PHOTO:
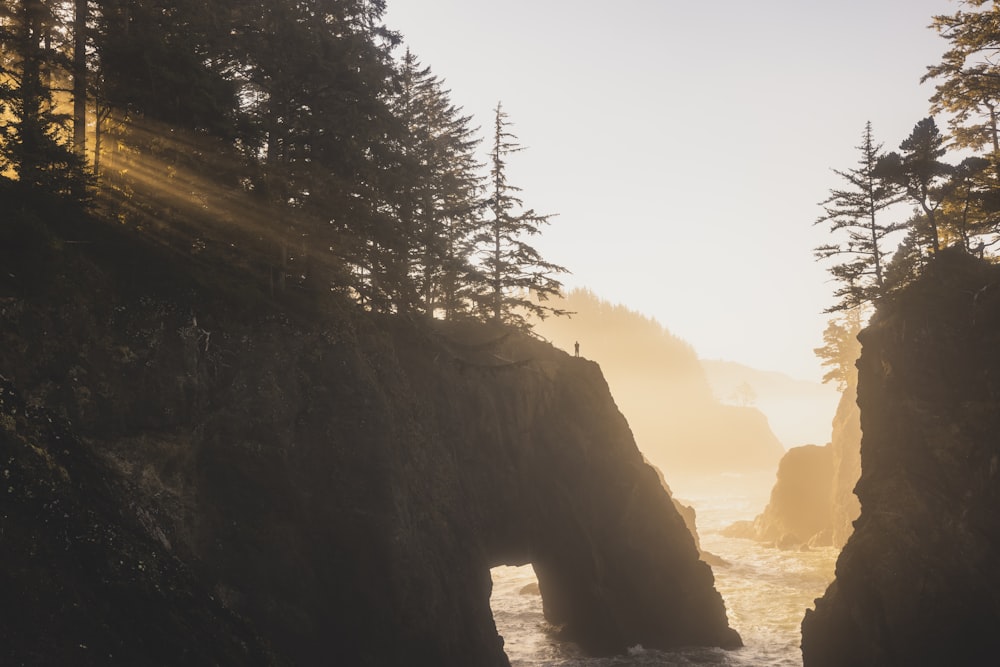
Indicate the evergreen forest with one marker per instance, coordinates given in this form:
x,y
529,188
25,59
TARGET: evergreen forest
x,y
299,144
307,148
894,211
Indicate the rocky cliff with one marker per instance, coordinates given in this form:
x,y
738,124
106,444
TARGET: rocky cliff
x,y
194,475
917,582
662,388
812,503
845,445
798,513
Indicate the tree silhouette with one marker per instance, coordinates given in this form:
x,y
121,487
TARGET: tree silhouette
x,y
968,79
32,133
841,348
81,18
919,170
743,395
513,269
438,188
283,137
967,211
854,212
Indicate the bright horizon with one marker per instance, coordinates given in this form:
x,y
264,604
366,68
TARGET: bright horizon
x,y
685,148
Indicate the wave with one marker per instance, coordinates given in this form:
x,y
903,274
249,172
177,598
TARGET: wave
x,y
766,591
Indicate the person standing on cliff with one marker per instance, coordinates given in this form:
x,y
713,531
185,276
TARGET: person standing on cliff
x,y
576,348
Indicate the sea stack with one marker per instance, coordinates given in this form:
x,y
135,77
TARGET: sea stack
x,y
918,583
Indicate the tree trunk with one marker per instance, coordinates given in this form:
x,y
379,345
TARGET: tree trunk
x,y
80,78
30,91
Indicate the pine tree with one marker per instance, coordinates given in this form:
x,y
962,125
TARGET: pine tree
x,y
81,18
968,79
924,177
967,213
841,348
160,61
165,107
967,89
854,213
33,135
438,188
513,269
314,82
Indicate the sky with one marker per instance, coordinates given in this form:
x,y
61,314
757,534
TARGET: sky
x,y
685,146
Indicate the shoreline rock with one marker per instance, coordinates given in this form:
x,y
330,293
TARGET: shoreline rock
x,y
917,582
334,482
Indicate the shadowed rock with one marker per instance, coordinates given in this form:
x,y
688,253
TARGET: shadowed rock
x,y
917,583
324,485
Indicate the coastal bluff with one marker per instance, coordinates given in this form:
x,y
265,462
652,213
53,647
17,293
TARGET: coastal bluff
x,y
191,478
917,582
812,503
798,510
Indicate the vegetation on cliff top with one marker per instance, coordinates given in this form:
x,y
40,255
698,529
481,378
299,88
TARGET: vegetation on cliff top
x,y
895,211
950,201
292,140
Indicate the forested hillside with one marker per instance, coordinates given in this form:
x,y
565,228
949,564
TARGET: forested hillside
x,y
298,141
662,389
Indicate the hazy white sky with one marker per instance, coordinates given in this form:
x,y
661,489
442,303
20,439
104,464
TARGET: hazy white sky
x,y
685,145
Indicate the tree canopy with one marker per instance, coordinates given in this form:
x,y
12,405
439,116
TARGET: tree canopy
x,y
515,271
301,142
855,212
951,180
841,348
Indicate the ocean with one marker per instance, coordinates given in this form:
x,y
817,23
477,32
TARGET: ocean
x,y
766,591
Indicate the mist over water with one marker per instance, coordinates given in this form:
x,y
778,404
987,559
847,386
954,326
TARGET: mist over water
x,y
766,591
711,427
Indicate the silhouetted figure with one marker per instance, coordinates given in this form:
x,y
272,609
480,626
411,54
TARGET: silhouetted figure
x,y
576,348
978,250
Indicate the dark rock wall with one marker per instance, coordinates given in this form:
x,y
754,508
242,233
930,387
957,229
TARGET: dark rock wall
x,y
328,489
918,583
88,579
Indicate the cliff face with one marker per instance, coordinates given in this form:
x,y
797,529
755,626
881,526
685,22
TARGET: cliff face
x,y
845,445
917,583
799,508
812,502
283,489
661,387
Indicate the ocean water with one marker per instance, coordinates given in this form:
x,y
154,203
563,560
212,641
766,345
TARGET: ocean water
x,y
766,591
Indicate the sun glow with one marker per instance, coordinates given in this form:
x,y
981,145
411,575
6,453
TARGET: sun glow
x,y
188,192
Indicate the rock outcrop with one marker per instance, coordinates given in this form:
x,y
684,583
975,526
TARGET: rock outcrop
x,y
690,517
845,446
917,583
798,513
812,502
311,485
661,387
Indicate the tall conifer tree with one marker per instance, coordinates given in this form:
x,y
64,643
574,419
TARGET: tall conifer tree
x,y
514,270
438,187
33,135
854,213
81,18
924,177
968,78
